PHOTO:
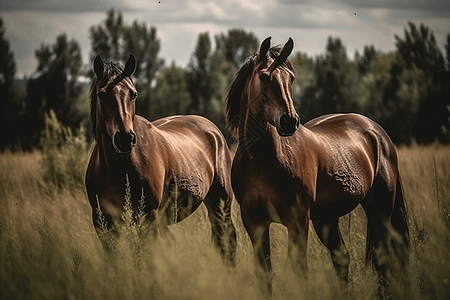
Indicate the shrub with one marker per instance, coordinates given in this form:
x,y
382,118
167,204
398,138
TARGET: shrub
x,y
64,154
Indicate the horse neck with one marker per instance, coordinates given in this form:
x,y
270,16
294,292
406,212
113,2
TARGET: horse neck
x,y
271,145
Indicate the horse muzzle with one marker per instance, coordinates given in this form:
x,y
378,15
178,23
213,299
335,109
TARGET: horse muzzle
x,y
287,125
124,142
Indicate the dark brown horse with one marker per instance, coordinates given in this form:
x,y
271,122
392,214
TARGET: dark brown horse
x,y
176,162
287,173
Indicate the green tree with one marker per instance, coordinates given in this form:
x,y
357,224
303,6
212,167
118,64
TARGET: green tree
x,y
236,46
10,97
446,89
171,95
208,77
375,72
418,55
106,38
142,41
364,62
54,85
115,40
337,87
199,75
305,80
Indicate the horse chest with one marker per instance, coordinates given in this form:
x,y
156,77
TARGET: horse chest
x,y
263,188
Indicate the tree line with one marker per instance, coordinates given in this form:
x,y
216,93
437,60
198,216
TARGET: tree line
x,y
407,90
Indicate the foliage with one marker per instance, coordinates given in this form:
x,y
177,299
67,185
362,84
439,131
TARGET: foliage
x,y
418,54
375,73
336,87
171,95
106,37
199,76
54,86
10,96
63,154
236,46
406,90
210,72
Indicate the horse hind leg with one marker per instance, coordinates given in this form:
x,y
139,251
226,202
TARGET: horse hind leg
x,y
223,233
378,206
330,235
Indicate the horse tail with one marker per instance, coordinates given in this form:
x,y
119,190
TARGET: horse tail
x,y
399,221
400,237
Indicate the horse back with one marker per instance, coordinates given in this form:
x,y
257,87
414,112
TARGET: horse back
x,y
352,130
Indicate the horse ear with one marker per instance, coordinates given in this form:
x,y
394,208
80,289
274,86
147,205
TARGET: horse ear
x,y
287,50
98,66
130,66
265,45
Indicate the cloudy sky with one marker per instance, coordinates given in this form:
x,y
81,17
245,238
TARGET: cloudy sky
x,y
29,23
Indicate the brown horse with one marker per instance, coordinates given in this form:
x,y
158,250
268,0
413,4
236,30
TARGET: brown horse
x,y
176,162
287,173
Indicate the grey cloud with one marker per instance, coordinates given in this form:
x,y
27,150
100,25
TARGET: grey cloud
x,y
63,6
427,5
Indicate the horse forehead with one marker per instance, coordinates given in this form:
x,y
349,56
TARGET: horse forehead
x,y
281,69
114,86
263,64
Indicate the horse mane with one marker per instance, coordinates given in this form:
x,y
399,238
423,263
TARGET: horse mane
x,y
111,68
234,95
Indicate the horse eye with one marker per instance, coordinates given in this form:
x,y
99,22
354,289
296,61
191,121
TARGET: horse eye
x,y
264,77
134,95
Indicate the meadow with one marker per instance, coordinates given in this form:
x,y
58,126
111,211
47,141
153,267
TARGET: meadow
x,y
49,250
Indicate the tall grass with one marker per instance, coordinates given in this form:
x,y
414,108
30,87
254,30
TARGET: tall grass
x,y
49,249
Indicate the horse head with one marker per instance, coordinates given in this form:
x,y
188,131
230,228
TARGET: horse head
x,y
263,88
269,89
113,97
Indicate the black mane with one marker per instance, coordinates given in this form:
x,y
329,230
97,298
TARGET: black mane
x,y
233,97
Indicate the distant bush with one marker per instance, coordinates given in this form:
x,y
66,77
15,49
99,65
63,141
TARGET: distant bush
x,y
64,154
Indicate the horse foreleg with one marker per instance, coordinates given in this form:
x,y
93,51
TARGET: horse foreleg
x,y
259,236
297,224
105,229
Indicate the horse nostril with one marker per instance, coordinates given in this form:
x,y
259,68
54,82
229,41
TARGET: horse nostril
x,y
284,122
288,125
117,140
123,142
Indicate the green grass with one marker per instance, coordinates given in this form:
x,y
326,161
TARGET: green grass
x,y
49,249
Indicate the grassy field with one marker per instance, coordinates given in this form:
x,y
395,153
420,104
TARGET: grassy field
x,y
49,250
